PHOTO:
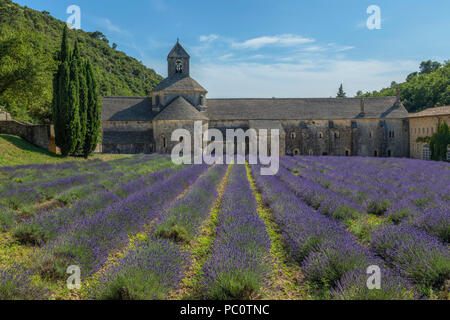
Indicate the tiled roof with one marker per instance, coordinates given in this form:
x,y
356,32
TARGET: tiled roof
x,y
304,109
180,109
437,111
139,109
180,82
127,109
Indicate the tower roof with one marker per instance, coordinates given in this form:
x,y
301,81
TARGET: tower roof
x,y
180,109
178,51
179,83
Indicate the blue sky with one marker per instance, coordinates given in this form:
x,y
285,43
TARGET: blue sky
x,y
283,48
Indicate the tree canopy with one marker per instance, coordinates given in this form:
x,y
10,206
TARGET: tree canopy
x,y
29,55
341,93
429,87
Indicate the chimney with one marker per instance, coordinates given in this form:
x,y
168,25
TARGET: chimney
x,y
398,96
362,107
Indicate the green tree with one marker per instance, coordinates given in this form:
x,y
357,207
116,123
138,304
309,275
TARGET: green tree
x,y
93,113
61,93
23,67
341,93
429,88
39,42
80,64
429,66
439,142
66,100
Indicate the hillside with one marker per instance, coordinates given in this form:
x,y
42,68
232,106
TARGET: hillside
x,y
16,151
430,87
37,35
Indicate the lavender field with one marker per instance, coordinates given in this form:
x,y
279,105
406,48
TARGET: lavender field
x,y
143,228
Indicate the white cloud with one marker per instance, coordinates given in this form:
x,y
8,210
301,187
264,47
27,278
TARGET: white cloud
x,y
285,40
114,28
208,38
304,79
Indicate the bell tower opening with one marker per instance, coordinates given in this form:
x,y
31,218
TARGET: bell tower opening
x,y
178,61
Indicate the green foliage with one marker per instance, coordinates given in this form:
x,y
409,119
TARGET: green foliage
x,y
24,69
236,285
425,89
341,93
93,113
29,46
378,207
363,226
439,142
76,111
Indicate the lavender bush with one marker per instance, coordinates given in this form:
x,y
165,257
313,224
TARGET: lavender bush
x,y
236,268
147,272
89,240
353,286
16,284
415,254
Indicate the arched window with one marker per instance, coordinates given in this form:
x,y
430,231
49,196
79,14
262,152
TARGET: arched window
x,y
336,135
179,66
320,135
163,141
293,135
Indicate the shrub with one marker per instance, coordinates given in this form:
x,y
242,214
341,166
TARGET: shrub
x,y
353,286
415,254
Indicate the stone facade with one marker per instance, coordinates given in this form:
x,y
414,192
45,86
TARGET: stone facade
x,y
424,124
377,127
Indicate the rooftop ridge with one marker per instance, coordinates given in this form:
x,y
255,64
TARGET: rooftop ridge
x,y
316,98
124,97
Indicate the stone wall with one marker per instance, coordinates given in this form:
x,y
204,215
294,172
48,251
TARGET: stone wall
x,y
163,133
127,137
362,137
40,135
420,128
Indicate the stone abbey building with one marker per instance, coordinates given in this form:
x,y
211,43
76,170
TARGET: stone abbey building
x,y
324,126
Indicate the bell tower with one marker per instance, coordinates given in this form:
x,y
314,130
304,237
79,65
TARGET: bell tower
x,y
178,61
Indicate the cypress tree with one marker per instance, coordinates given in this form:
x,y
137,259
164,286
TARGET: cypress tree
x,y
72,112
93,113
60,91
83,98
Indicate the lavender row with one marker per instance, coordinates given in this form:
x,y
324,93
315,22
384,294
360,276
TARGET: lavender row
x,y
16,284
48,224
21,197
431,216
425,264
157,264
405,176
36,174
322,199
330,257
89,240
236,268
